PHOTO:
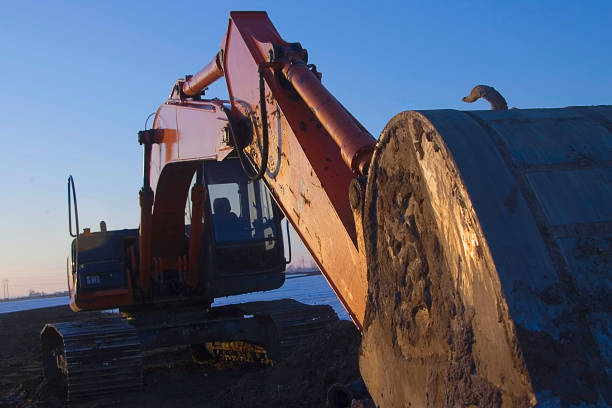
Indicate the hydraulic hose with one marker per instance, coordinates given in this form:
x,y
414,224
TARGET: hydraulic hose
x,y
244,160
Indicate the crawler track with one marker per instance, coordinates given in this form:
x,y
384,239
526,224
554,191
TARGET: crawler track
x,y
295,321
92,358
103,356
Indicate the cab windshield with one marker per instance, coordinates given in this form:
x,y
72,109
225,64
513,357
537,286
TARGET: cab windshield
x,y
241,210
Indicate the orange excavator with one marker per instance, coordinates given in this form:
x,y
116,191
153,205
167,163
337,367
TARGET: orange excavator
x,y
473,250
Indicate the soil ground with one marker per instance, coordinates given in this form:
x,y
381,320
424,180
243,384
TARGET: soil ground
x,y
301,380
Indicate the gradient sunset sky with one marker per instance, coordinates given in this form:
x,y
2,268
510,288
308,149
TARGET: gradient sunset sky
x,y
79,78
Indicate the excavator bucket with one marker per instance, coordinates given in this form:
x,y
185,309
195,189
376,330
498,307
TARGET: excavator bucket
x,y
489,245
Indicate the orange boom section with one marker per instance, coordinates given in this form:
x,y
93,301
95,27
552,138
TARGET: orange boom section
x,y
315,148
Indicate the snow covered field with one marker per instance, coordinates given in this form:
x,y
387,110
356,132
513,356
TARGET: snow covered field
x,y
309,289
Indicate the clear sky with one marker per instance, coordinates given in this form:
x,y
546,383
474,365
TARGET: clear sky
x,y
79,78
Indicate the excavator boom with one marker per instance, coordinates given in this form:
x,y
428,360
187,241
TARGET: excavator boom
x,y
314,147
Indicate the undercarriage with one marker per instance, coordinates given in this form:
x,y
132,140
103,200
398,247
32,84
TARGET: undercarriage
x,y
106,355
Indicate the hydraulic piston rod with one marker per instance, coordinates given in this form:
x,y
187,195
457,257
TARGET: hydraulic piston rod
x,y
355,143
206,76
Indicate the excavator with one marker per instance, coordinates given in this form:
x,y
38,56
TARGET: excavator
x,y
472,249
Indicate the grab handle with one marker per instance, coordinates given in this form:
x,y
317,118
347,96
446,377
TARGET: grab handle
x,y
288,261
76,211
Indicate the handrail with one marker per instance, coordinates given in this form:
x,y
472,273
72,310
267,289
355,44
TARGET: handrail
x,y
244,159
76,211
288,261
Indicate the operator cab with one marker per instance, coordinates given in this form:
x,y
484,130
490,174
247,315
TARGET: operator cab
x,y
242,225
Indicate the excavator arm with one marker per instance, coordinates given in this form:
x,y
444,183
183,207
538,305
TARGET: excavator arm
x,y
311,148
471,248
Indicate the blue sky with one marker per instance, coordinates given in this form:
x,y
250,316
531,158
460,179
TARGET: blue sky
x,y
79,78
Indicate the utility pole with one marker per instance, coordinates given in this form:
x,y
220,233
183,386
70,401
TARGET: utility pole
x,y
5,288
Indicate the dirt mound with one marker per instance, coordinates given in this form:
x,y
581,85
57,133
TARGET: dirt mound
x,y
303,378
20,354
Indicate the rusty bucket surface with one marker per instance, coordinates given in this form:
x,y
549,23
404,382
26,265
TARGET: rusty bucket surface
x,y
489,246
